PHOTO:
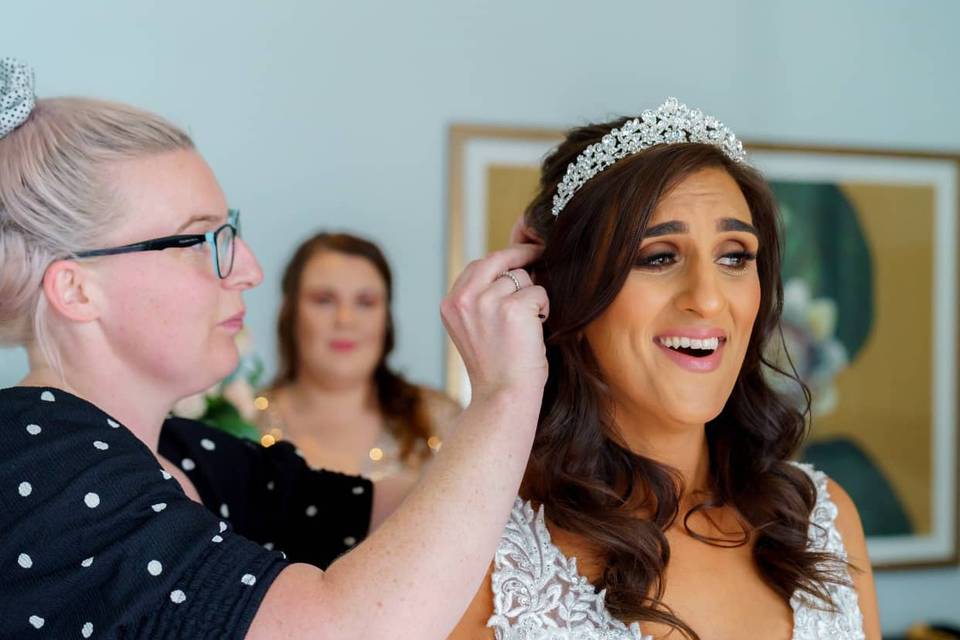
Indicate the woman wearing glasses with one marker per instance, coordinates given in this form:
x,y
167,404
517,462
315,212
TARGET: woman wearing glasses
x,y
110,223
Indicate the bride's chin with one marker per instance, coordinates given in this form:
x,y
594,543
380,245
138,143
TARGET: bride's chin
x,y
694,414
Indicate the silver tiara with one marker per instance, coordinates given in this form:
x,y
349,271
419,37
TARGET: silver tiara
x,y
671,123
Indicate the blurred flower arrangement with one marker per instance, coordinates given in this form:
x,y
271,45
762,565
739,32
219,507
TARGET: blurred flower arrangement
x,y
809,326
230,404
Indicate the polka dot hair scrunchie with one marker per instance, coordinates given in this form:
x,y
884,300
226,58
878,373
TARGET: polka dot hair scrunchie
x,y
16,94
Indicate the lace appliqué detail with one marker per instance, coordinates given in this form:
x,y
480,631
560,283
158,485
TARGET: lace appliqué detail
x,y
811,619
538,593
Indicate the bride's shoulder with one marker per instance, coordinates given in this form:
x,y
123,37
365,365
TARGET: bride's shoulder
x,y
834,501
834,498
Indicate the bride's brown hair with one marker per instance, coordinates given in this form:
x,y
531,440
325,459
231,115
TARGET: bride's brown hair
x,y
589,482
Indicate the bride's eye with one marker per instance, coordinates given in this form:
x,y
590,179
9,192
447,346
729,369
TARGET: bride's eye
x,y
657,260
737,260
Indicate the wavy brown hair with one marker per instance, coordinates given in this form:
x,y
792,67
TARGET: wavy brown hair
x,y
401,402
589,482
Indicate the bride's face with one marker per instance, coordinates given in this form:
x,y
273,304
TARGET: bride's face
x,y
672,342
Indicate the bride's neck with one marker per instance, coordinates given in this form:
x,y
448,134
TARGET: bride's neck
x,y
682,447
312,394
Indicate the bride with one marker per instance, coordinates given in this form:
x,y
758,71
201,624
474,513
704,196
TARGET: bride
x,y
659,499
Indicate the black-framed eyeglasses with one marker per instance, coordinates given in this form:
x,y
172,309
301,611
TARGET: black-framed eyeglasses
x,y
222,243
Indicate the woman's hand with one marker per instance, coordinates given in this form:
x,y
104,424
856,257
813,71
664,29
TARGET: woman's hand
x,y
495,321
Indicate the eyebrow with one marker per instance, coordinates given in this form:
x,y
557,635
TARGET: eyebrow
x,y
675,227
203,217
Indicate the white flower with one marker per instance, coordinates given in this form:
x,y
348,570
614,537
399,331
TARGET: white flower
x,y
244,342
809,325
240,394
822,318
192,407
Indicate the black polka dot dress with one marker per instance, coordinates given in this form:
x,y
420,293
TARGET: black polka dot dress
x,y
98,541
269,494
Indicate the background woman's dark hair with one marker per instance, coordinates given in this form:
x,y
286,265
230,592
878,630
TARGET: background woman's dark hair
x,y
401,402
590,483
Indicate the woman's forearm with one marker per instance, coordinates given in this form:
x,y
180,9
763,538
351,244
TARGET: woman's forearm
x,y
415,575
435,548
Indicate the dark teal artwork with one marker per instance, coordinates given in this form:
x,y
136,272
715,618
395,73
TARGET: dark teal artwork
x,y
826,247
828,278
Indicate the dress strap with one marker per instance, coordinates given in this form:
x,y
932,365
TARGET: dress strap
x,y
814,619
538,592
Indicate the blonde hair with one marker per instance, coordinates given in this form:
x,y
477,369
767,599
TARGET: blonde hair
x,y
54,200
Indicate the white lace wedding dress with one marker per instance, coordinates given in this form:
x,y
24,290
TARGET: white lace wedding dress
x,y
539,594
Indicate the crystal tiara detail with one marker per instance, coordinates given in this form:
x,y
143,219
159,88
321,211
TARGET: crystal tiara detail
x,y
671,123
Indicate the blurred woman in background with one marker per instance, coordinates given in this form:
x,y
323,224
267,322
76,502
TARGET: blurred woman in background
x,y
334,394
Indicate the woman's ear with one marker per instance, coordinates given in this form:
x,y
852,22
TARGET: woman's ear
x,y
523,233
69,290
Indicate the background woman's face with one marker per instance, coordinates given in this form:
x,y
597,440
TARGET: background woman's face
x,y
672,342
342,317
166,314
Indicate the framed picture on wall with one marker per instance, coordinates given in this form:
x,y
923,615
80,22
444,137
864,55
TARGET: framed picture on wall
x,y
870,313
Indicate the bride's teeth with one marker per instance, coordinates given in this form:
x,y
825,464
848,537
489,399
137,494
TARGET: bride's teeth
x,y
705,344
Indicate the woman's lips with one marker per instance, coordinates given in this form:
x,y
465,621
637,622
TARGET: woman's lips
x,y
704,364
234,322
342,346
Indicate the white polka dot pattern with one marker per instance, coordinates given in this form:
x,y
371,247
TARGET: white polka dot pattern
x,y
177,596
47,396
187,464
223,526
225,511
92,500
87,630
25,489
34,429
25,561
36,621
217,538
311,511
113,424
101,445
16,101
87,562
154,568
248,579
160,506
208,444
358,490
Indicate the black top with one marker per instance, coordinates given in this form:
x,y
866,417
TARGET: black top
x,y
98,541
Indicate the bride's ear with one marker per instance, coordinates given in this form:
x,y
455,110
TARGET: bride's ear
x,y
523,233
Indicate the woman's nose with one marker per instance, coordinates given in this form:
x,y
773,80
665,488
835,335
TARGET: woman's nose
x,y
344,315
701,292
246,272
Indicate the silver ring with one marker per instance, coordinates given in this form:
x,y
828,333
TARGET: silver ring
x,y
516,282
